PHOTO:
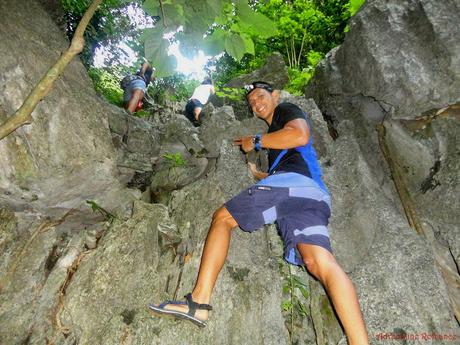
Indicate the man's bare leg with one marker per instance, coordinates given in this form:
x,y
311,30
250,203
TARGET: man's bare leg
x,y
136,96
321,264
212,260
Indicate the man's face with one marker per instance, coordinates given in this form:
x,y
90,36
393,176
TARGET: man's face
x,y
262,103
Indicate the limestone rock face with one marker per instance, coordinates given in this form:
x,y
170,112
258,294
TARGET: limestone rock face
x,y
400,66
69,139
402,56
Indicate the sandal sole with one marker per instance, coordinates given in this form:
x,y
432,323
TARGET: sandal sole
x,y
176,314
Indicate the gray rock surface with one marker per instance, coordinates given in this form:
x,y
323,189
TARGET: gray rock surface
x,y
69,138
402,55
399,65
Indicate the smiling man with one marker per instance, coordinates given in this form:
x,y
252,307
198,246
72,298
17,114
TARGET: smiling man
x,y
292,195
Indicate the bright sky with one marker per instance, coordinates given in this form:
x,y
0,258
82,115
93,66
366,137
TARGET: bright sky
x,y
193,68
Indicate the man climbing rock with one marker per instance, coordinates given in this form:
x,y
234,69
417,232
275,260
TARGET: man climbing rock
x,y
135,86
198,100
293,196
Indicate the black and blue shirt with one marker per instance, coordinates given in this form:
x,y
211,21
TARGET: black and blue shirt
x,y
301,160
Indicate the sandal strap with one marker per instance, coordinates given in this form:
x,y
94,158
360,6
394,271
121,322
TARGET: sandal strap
x,y
162,305
193,306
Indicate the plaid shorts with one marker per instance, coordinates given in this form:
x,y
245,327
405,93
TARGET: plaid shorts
x,y
300,213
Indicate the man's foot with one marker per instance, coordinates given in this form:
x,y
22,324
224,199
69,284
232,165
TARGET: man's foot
x,y
188,310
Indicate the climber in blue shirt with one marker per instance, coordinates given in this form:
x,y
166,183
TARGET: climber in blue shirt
x,y
292,195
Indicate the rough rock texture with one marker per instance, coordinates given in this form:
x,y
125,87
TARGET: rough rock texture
x,y
402,55
400,65
68,140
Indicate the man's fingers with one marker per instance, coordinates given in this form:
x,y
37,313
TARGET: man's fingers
x,y
238,141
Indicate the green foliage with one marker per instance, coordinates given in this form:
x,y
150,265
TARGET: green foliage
x,y
174,160
95,207
295,294
174,88
354,6
107,83
110,25
298,79
141,113
305,25
305,31
213,25
231,93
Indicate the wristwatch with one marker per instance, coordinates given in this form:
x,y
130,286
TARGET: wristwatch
x,y
256,141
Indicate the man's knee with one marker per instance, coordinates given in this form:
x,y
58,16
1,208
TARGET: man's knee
x,y
317,260
222,217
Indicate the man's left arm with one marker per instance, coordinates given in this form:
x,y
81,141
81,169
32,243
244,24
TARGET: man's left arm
x,y
294,133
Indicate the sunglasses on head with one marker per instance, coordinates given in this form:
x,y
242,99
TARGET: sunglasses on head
x,y
257,85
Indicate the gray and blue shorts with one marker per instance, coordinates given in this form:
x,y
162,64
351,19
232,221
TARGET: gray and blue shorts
x,y
136,84
300,213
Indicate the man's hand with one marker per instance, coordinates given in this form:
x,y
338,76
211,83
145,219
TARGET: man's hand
x,y
259,175
245,143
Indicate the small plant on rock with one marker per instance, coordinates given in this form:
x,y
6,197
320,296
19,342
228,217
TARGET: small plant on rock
x,y
295,293
174,160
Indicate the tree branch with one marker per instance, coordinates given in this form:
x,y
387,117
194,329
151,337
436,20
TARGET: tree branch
x,y
22,116
288,55
301,46
163,14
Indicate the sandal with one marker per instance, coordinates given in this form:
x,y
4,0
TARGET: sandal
x,y
192,308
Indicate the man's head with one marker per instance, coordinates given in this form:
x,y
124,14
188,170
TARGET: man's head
x,y
262,99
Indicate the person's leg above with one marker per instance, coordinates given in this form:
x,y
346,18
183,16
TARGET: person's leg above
x,y
136,91
136,96
322,265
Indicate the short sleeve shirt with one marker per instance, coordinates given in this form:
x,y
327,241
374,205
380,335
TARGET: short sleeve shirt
x,y
292,161
202,93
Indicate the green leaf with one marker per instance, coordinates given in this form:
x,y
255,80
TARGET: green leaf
x,y
303,291
214,44
152,7
355,5
243,10
286,305
257,22
156,52
172,16
249,44
286,289
303,309
263,26
235,46
215,6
